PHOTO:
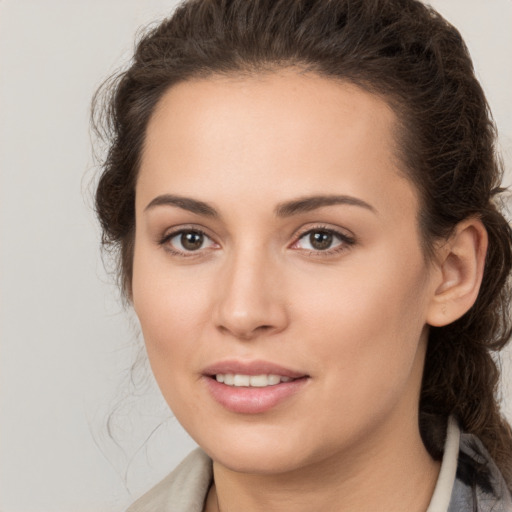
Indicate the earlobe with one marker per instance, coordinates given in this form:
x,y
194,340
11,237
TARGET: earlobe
x,y
461,262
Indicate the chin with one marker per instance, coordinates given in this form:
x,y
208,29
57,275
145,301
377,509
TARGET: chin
x,y
257,460
262,452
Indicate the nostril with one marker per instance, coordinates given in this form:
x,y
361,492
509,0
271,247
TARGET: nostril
x,y
264,328
246,334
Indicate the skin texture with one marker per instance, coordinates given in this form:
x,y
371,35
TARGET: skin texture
x,y
353,318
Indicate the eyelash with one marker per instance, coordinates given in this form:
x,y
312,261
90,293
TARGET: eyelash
x,y
165,241
346,241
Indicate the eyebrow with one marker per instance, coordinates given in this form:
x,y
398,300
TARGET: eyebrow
x,y
286,209
185,203
308,204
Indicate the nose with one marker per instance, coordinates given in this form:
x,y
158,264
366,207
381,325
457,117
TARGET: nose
x,y
250,300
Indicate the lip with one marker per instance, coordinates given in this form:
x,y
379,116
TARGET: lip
x,y
252,368
252,400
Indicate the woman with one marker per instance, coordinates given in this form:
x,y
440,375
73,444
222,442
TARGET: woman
x,y
303,198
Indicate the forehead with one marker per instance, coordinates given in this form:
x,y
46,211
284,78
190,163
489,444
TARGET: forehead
x,y
279,131
280,104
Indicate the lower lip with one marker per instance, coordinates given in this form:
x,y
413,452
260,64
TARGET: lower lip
x,y
253,400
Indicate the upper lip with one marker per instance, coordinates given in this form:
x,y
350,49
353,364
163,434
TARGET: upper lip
x,y
251,368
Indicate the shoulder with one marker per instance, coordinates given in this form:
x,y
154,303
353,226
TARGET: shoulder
x,y
469,480
184,489
478,483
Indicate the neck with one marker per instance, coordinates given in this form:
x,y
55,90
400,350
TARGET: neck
x,y
391,471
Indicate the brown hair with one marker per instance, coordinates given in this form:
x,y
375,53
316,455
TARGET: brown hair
x,y
408,54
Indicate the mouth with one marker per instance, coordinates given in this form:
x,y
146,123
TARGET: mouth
x,y
252,387
238,380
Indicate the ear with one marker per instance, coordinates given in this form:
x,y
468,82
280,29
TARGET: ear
x,y
460,264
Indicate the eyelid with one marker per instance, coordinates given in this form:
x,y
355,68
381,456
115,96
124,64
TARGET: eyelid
x,y
346,237
170,233
322,226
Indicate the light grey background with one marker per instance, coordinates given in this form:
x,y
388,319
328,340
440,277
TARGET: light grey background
x,y
66,344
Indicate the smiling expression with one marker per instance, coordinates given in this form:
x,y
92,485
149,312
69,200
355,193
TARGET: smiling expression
x,y
278,273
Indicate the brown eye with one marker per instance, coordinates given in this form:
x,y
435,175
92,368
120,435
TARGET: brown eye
x,y
192,240
187,241
323,240
320,240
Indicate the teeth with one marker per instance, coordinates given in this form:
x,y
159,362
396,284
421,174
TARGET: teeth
x,y
241,380
256,381
273,380
260,381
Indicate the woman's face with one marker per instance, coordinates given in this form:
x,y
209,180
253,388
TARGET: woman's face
x,y
277,241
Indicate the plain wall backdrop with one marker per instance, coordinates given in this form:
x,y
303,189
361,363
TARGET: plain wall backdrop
x,y
66,343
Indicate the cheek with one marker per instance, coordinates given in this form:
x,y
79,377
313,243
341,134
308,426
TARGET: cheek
x,y
378,295
171,311
171,325
368,321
